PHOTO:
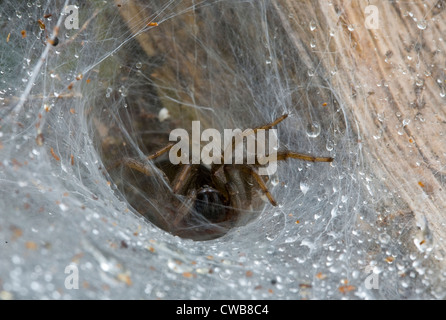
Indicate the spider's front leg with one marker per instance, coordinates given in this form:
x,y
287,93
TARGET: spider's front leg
x,y
183,178
260,182
144,167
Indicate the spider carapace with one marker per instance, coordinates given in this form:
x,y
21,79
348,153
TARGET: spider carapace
x,y
203,202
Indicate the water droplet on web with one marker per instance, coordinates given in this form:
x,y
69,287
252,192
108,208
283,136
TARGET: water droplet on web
x,y
312,25
380,117
419,82
138,65
291,239
313,129
384,238
406,122
123,91
271,237
226,274
422,24
313,43
178,266
304,187
330,145
22,183
275,180
351,28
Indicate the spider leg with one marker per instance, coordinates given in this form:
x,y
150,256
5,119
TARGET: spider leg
x,y
142,167
183,209
272,124
290,154
182,178
134,164
253,172
160,152
283,155
233,195
253,131
264,127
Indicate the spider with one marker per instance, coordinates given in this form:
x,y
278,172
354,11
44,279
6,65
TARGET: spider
x,y
204,202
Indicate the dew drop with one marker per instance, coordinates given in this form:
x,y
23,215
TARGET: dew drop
x,y
334,212
275,180
291,239
313,129
422,24
384,238
108,92
123,91
406,122
330,145
419,82
312,25
313,43
304,187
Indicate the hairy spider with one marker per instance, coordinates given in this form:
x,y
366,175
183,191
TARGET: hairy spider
x,y
204,202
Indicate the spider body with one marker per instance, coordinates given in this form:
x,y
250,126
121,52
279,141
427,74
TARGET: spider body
x,y
204,201
211,204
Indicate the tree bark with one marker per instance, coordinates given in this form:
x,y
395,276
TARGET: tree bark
x,y
392,81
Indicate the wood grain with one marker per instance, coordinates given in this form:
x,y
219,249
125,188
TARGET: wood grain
x,y
392,82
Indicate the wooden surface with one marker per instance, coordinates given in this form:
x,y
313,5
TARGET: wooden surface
x,y
392,82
